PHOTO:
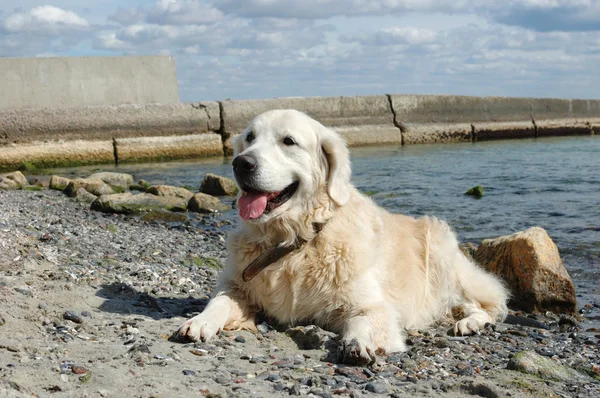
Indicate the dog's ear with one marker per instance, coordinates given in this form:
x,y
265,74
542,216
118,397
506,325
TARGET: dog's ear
x,y
338,157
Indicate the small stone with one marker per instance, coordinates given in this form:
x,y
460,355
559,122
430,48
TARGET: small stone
x,y
78,370
295,390
273,377
240,339
223,378
263,327
24,290
2,321
86,377
86,314
442,343
376,387
187,372
310,337
73,317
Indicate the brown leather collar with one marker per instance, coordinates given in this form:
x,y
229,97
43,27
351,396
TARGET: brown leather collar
x,y
274,254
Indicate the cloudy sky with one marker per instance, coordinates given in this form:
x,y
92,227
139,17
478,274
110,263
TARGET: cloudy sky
x,y
274,48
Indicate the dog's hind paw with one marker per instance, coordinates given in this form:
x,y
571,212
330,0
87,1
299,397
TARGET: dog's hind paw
x,y
352,352
198,328
466,327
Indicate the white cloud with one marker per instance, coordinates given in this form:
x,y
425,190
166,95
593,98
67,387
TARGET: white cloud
x,y
44,19
165,12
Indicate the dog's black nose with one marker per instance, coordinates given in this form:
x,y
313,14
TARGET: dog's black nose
x,y
244,164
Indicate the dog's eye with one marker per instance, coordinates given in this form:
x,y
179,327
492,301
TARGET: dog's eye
x,y
289,141
250,137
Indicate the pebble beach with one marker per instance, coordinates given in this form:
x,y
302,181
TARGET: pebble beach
x,y
89,301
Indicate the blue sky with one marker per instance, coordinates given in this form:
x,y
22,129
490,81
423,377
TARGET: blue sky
x,y
279,48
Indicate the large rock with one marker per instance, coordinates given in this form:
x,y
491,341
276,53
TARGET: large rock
x,y
202,203
218,186
120,180
92,185
167,190
531,363
130,203
529,262
81,195
14,180
59,183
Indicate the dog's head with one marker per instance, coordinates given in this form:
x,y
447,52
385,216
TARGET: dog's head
x,y
282,160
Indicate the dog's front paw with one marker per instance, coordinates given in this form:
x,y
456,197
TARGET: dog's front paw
x,y
198,328
353,352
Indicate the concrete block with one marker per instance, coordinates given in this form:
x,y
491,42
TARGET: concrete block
x,y
108,122
52,154
436,133
362,120
563,127
63,82
163,148
504,130
458,109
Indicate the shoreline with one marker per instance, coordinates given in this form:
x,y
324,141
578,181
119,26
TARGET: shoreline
x,y
128,133
90,299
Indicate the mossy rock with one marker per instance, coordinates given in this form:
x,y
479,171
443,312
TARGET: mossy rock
x,y
164,216
476,192
209,262
534,364
129,203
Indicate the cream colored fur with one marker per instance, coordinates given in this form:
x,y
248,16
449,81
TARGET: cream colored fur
x,y
368,275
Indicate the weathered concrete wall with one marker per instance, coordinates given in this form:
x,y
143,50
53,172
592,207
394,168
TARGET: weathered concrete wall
x,y
79,81
440,118
364,120
108,122
124,133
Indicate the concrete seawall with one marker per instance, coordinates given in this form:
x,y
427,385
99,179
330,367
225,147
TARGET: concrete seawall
x,y
64,82
125,133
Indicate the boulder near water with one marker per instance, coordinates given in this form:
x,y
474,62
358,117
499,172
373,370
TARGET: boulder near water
x,y
93,185
218,186
530,264
119,180
130,203
203,203
167,190
14,180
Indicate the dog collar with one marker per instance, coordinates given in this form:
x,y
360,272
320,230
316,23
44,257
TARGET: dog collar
x,y
274,254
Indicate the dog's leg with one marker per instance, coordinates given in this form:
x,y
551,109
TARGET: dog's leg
x,y
375,329
483,298
225,310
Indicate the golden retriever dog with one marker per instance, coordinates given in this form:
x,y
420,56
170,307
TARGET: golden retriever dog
x,y
313,249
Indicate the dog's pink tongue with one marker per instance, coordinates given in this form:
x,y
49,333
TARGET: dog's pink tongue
x,y
252,205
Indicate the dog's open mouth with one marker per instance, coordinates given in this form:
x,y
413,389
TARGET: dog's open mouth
x,y
253,204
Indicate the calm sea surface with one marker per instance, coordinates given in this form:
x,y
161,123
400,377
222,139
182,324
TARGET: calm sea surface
x,y
553,183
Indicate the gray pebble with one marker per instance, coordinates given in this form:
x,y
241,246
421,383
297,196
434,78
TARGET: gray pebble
x,y
376,387
189,373
73,317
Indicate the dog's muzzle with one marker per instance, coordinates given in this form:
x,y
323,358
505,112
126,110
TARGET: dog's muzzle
x,y
244,166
